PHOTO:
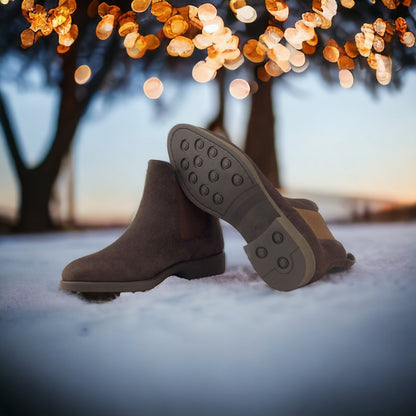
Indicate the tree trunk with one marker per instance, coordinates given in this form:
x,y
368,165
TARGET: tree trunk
x,y
70,220
260,139
36,184
35,191
217,124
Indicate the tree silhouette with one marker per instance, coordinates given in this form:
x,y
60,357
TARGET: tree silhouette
x,y
36,183
270,36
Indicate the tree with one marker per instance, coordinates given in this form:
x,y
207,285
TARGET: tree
x,y
345,29
269,36
36,184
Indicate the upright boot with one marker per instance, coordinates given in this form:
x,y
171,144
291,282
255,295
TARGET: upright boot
x,y
168,236
289,244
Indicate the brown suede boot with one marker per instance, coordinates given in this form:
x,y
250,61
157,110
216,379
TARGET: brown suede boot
x,y
289,243
168,236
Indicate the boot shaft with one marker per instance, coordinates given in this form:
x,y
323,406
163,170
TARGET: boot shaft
x,y
168,236
165,209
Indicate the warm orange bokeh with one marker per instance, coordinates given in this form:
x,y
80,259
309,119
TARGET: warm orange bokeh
x,y
279,51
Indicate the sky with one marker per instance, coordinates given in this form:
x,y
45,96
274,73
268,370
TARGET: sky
x,y
330,140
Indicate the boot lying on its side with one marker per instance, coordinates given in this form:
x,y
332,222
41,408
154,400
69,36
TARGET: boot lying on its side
x,y
168,236
289,244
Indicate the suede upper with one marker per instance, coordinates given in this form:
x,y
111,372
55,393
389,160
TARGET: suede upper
x,y
155,240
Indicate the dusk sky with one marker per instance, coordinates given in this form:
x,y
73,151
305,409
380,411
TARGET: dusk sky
x,y
330,140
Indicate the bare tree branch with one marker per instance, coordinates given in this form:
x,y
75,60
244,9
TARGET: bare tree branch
x,y
97,81
72,108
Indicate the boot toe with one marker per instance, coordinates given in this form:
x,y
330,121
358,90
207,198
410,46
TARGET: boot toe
x,y
79,270
73,271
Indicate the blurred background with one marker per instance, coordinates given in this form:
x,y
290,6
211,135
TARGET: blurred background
x,y
353,150
349,144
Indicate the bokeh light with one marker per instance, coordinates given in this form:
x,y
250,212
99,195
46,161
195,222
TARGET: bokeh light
x,y
153,88
213,25
246,14
82,74
207,12
140,6
280,48
202,72
239,88
346,78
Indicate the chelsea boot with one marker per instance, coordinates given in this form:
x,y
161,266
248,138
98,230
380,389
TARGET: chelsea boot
x,y
289,244
168,236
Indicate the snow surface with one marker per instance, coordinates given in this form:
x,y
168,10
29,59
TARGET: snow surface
x,y
226,345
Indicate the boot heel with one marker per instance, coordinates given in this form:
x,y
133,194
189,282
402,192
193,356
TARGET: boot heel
x,y
208,266
281,256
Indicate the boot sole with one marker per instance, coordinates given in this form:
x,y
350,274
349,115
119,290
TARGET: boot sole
x,y
222,181
193,269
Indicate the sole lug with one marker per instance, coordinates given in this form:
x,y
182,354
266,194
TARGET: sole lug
x,y
209,173
277,258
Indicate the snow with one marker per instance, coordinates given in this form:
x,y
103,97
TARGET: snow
x,y
226,345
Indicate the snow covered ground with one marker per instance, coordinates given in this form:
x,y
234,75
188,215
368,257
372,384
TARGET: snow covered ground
x,y
222,346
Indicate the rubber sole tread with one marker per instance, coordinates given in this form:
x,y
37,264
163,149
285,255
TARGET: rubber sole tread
x,y
219,179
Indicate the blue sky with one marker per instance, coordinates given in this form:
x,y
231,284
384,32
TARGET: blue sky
x,y
330,140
